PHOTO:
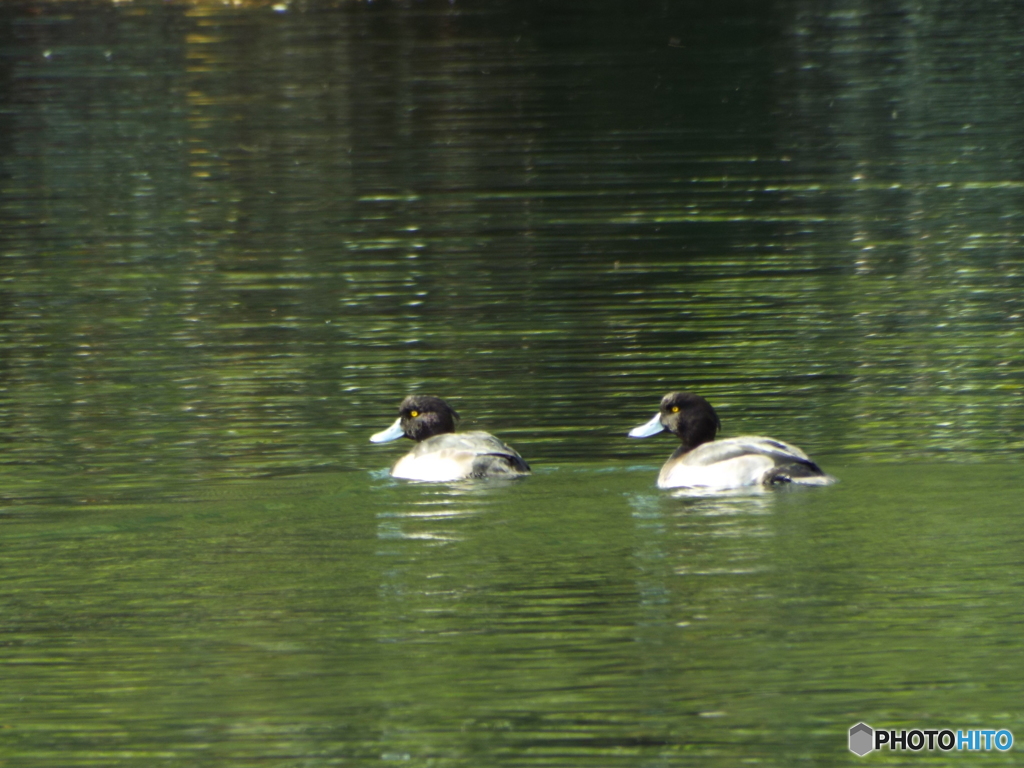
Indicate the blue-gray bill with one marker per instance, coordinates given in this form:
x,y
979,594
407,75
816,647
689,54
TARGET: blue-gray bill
x,y
393,432
652,427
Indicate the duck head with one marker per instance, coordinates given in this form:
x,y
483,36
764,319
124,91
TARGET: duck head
x,y
688,416
419,417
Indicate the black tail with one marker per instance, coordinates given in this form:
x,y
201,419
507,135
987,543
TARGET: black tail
x,y
499,465
790,471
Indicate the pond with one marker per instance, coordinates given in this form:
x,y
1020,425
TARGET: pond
x,y
234,237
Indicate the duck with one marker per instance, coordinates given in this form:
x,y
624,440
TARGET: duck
x,y
735,462
441,454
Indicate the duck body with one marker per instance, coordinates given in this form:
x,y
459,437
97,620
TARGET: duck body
x,y
736,462
442,455
740,461
459,456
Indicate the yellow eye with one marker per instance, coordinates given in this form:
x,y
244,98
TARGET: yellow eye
x,y
675,409
414,414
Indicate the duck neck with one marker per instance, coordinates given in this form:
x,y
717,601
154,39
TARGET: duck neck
x,y
688,445
697,434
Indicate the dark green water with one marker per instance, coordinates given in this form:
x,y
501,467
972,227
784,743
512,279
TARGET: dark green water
x,y
579,617
232,239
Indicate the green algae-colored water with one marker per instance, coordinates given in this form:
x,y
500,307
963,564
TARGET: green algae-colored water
x,y
233,238
576,617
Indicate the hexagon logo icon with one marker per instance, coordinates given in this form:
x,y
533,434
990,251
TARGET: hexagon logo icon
x,y
862,739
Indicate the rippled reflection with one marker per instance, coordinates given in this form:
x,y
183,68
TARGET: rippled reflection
x,y
232,236
226,258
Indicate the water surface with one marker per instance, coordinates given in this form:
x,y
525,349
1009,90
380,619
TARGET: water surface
x,y
576,616
233,238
